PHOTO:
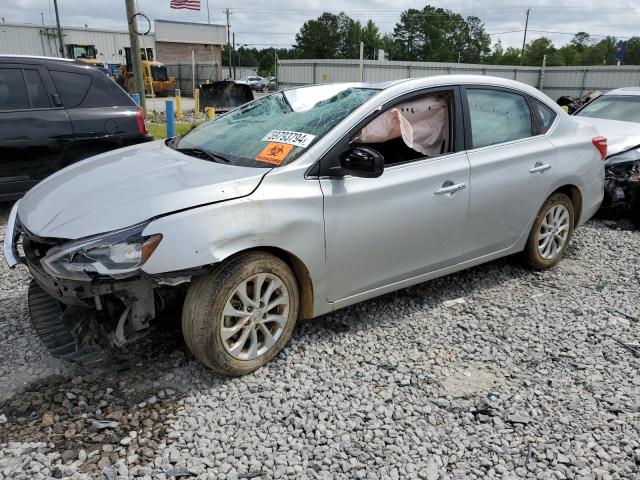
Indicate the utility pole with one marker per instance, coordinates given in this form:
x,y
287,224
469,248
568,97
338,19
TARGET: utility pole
x,y
361,61
238,57
208,15
136,64
60,38
229,40
524,40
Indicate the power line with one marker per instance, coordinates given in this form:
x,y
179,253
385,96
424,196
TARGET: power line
x,y
575,33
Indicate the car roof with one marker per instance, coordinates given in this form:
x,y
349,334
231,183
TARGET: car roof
x,y
55,62
436,80
411,84
624,91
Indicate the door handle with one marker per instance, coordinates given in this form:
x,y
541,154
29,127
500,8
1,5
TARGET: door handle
x,y
540,167
449,188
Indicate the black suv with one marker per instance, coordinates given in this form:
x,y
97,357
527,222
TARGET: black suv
x,y
54,112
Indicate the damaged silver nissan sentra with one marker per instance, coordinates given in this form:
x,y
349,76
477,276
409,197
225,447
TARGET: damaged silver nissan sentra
x,y
297,204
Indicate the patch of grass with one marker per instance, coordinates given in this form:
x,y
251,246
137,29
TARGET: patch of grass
x,y
159,130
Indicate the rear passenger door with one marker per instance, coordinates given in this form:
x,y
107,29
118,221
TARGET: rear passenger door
x,y
512,167
34,131
102,114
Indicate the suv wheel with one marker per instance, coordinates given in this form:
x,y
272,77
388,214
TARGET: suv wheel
x,y
238,318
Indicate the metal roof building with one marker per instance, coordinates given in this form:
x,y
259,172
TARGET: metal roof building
x,y
178,39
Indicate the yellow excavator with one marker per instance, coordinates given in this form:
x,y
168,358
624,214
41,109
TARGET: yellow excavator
x,y
85,54
154,74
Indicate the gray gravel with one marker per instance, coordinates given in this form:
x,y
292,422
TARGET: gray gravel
x,y
530,375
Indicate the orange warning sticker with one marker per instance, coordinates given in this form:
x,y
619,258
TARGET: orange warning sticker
x,y
274,153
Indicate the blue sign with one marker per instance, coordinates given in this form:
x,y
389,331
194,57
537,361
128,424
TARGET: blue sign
x,y
620,49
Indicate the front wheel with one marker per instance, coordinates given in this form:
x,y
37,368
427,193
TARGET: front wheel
x,y
238,318
551,233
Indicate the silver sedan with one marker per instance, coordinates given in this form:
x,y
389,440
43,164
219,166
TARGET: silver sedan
x,y
297,204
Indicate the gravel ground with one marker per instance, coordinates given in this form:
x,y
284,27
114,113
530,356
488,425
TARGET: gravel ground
x,y
530,375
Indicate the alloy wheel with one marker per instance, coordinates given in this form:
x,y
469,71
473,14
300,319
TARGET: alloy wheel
x,y
554,232
254,316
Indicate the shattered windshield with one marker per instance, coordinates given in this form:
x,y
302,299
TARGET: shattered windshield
x,y
276,129
614,107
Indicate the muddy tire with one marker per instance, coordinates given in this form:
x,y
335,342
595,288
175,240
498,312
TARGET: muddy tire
x,y
550,234
238,318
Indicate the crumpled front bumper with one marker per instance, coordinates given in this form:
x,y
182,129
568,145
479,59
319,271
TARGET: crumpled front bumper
x,y
11,235
65,291
622,184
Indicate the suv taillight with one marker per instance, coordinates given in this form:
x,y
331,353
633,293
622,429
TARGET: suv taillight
x,y
601,144
141,122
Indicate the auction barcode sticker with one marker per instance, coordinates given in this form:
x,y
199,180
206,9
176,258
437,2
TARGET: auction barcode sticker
x,y
299,139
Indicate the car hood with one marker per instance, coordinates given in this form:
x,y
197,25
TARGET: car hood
x,y
124,187
621,136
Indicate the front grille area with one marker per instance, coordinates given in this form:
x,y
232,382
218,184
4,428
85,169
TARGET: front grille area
x,y
36,248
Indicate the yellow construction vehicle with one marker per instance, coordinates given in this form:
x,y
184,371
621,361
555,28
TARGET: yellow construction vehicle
x,y
154,73
85,54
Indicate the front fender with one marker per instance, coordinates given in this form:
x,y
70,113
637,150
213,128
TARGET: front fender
x,y
280,214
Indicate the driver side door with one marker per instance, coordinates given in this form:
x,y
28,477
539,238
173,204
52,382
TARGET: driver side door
x,y
407,222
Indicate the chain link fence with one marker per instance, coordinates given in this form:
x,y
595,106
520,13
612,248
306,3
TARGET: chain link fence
x,y
204,73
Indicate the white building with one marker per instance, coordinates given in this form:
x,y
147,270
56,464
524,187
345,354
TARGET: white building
x,y
177,41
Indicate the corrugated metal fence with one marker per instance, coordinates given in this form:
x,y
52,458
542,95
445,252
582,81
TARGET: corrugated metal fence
x,y
204,73
556,81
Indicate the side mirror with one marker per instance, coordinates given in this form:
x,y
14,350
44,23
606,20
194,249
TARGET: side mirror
x,y
362,162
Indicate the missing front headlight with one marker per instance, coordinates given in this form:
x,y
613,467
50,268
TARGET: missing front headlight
x,y
116,254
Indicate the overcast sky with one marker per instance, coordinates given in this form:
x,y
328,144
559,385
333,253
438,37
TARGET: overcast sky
x,y
264,23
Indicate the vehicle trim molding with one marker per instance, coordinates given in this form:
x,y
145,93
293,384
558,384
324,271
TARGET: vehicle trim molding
x,y
10,247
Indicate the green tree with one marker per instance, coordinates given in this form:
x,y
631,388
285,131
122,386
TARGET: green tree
x,y
511,56
569,55
601,53
321,38
632,51
581,41
436,34
372,40
473,42
537,49
408,37
337,36
496,53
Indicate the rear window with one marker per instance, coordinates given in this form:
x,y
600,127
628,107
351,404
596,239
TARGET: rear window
x,y
72,87
613,107
104,92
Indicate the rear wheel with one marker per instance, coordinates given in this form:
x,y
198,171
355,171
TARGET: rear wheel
x,y
239,317
551,233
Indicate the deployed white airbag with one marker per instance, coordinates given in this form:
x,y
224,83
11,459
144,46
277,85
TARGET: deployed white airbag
x,y
423,125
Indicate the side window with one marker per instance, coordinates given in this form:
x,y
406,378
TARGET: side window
x,y
410,130
497,116
72,87
104,92
13,93
546,115
35,89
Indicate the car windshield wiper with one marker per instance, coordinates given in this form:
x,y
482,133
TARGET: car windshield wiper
x,y
206,154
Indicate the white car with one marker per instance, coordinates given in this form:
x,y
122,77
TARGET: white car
x,y
616,114
297,204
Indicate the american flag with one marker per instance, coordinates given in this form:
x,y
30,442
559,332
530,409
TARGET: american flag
x,y
186,4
